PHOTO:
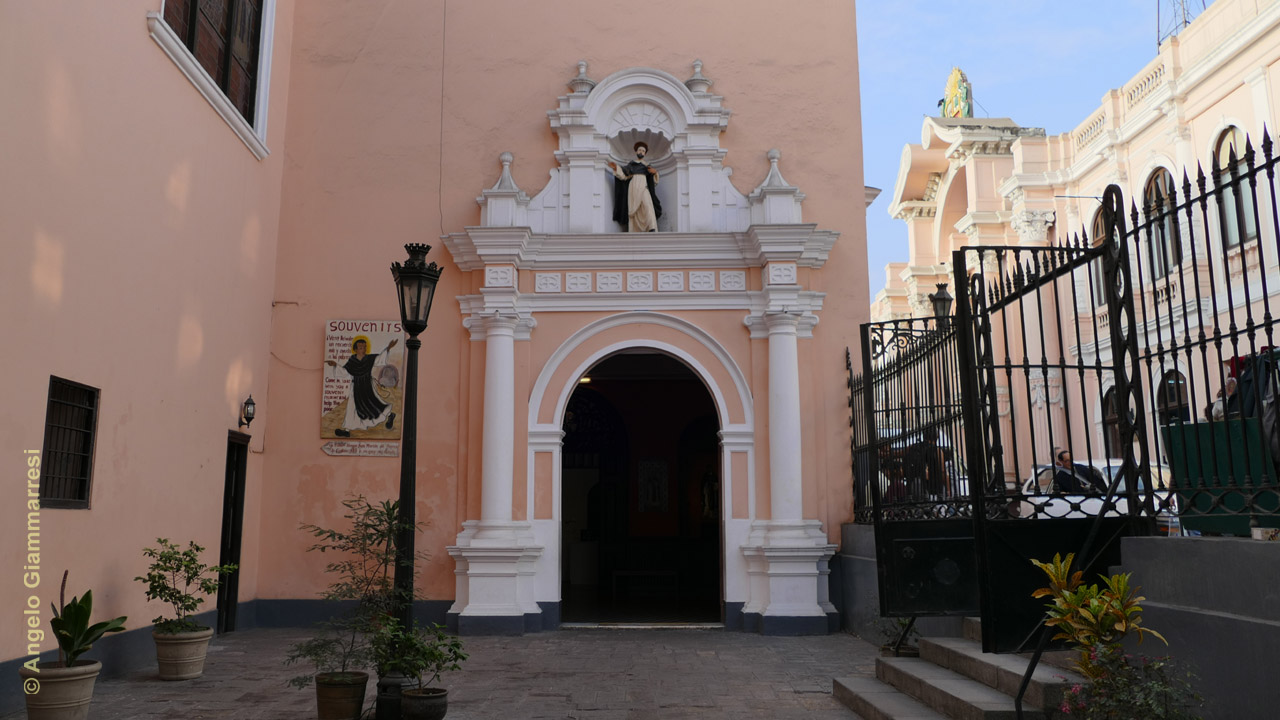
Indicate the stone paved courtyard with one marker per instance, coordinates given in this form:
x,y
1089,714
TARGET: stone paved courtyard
x,y
579,674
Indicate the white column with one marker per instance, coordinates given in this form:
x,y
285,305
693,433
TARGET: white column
x,y
496,556
785,493
497,468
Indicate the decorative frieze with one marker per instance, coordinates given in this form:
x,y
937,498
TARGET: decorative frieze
x,y
702,280
547,283
609,282
577,282
733,280
780,274
639,282
670,281
500,276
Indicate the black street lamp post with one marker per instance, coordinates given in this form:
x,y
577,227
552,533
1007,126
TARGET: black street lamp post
x,y
416,283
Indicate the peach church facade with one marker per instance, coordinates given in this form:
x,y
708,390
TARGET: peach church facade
x,y
175,244
990,181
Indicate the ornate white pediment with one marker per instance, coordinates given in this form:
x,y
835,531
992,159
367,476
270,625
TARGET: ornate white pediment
x,y
680,122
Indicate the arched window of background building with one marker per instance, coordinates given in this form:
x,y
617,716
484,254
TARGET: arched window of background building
x,y
1235,205
1111,423
1171,398
1097,233
1165,251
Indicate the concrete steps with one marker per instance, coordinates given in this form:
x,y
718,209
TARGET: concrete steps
x,y
954,679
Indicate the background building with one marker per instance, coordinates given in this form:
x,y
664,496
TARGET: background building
x,y
990,181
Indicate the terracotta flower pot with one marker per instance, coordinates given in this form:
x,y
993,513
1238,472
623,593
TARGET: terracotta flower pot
x,y
181,655
61,693
340,695
423,704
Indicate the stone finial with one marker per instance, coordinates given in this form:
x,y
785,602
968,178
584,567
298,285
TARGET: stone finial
x,y
775,200
581,83
774,178
697,82
505,182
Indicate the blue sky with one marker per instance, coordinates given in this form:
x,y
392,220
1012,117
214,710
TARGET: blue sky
x,y
1044,64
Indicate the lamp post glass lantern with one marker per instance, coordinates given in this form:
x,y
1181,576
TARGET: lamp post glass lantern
x,y
941,303
247,412
416,282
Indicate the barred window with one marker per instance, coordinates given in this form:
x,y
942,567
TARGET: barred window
x,y
1171,399
1235,204
1165,247
70,426
1097,278
224,36
1111,424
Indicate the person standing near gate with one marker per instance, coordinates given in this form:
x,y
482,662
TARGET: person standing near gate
x,y
925,466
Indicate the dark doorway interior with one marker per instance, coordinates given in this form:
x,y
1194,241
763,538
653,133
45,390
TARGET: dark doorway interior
x,y
641,489
232,528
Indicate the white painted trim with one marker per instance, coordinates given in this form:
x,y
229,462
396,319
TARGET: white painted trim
x,y
734,437
254,138
641,317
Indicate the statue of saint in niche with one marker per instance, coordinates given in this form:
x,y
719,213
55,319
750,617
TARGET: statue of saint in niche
x,y
635,200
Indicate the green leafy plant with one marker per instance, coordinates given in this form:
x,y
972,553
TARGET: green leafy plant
x,y
362,568
1095,619
416,653
1129,687
71,626
1090,615
178,577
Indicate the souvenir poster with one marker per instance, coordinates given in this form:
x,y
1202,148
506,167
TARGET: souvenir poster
x,y
361,399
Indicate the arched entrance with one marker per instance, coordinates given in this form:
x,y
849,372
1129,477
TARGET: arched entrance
x,y
641,508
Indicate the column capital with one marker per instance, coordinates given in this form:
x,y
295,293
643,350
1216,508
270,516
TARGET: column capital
x,y
783,323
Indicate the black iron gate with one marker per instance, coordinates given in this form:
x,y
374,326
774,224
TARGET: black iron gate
x,y
972,450
1041,482
912,464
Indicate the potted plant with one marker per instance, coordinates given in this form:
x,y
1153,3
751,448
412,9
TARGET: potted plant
x,y
62,690
362,580
418,653
178,577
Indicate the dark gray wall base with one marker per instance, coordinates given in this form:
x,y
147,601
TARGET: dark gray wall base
x,y
793,626
751,622
287,613
733,615
485,625
1217,602
550,615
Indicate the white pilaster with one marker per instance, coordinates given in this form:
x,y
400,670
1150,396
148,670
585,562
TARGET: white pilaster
x,y
497,466
785,495
497,557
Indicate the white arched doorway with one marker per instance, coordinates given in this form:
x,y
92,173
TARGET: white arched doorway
x,y
662,342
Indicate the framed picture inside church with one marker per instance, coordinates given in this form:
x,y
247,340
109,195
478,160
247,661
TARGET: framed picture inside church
x,y
363,380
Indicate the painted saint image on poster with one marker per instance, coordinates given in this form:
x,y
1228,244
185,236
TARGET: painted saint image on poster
x,y
362,393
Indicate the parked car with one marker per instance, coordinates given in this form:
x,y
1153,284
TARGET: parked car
x,y
1042,501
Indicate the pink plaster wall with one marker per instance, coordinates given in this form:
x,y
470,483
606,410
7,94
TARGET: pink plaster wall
x,y
377,85
139,239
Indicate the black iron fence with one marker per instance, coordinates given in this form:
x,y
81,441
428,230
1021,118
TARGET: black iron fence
x,y
1205,257
1175,345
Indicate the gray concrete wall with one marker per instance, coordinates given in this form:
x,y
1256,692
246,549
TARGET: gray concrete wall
x,y
1217,600
859,594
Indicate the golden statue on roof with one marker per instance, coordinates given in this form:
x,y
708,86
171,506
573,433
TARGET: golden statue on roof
x,y
958,100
